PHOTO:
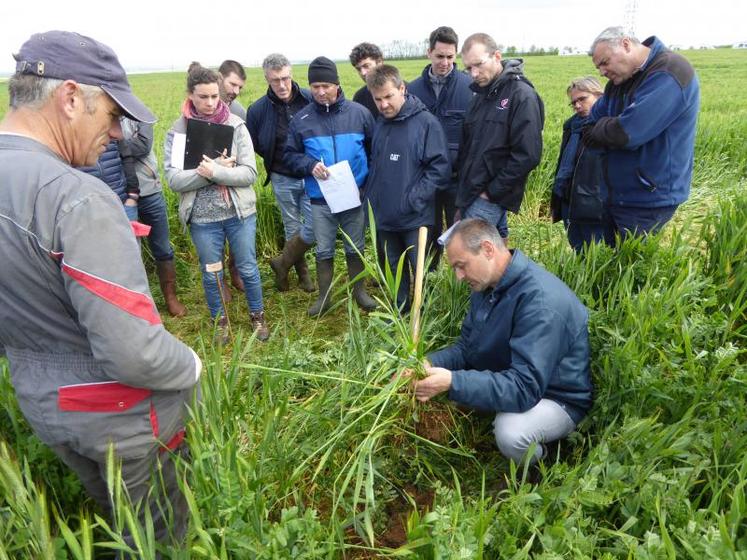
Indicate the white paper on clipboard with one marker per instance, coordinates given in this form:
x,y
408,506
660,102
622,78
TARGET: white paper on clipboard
x,y
178,145
340,189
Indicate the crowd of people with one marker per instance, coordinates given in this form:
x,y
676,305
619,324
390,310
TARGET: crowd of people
x,y
90,360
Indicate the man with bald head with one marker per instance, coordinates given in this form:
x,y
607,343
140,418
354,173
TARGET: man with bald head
x,y
92,366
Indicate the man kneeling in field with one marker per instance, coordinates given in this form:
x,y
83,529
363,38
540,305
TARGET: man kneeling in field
x,y
524,347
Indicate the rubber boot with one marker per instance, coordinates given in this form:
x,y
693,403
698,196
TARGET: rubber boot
x,y
304,278
236,280
293,250
355,267
167,279
325,270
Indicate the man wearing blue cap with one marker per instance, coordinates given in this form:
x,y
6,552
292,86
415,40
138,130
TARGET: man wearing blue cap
x,y
75,302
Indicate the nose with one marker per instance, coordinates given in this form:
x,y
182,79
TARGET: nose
x,y
473,72
115,130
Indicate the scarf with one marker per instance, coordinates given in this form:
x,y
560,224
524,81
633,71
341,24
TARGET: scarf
x,y
220,116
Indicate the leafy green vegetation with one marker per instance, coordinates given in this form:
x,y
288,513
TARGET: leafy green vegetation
x,y
306,447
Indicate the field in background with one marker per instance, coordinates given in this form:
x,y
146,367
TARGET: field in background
x,y
304,447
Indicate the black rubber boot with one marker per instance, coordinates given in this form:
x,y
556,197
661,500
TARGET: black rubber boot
x,y
325,270
355,267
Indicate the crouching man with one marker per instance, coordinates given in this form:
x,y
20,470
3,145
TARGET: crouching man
x,y
524,347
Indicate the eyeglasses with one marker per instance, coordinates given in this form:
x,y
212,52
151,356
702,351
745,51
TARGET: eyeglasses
x,y
579,99
282,80
468,68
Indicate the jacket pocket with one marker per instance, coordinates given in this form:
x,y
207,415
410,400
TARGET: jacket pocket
x,y
585,202
108,396
646,182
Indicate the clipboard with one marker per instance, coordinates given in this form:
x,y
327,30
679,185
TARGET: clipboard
x,y
206,138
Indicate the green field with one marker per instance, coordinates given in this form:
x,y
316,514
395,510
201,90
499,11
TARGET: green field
x,y
304,447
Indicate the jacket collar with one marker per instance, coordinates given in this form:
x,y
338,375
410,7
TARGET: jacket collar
x,y
515,269
295,91
335,107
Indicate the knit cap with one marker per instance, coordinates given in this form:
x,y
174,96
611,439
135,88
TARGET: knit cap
x,y
323,69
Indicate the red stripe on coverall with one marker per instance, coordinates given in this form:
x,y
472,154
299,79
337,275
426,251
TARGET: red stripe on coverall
x,y
134,303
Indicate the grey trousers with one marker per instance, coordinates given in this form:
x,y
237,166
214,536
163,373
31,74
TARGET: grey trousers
x,y
515,432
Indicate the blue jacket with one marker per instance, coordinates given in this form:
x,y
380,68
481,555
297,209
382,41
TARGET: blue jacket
x,y
329,134
262,122
109,169
408,165
647,125
451,105
523,341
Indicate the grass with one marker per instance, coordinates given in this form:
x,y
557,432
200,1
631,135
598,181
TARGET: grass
x,y
306,447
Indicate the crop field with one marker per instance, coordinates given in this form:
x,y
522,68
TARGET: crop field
x,y
307,447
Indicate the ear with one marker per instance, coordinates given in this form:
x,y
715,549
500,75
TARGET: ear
x,y
67,98
488,248
498,56
402,87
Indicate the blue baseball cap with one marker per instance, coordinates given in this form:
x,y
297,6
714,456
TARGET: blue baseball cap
x,y
64,55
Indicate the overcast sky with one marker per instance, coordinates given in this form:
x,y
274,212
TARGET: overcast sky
x,y
168,35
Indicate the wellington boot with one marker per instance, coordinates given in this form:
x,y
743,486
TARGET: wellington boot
x,y
293,250
236,280
325,270
304,278
167,279
355,267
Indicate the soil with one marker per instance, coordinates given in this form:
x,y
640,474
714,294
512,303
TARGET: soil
x,y
435,422
397,511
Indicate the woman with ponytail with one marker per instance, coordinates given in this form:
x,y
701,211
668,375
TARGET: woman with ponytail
x,y
216,200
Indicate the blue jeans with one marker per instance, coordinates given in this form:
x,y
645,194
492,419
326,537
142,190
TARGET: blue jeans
x,y
490,212
209,240
326,223
295,208
151,211
616,220
395,243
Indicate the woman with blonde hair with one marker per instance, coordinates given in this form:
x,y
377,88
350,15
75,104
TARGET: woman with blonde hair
x,y
578,193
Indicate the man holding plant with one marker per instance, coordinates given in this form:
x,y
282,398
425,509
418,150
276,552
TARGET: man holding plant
x,y
524,348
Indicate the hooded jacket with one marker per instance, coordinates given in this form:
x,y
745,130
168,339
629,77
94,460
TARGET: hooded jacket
x,y
262,121
525,340
409,163
647,125
451,105
501,139
329,134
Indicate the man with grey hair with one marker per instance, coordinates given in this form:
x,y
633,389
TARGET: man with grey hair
x,y
501,136
645,125
524,348
267,121
75,302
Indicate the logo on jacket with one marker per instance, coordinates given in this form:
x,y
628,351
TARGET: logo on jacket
x,y
503,104
394,157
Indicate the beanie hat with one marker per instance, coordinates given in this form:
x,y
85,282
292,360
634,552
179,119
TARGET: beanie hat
x,y
323,69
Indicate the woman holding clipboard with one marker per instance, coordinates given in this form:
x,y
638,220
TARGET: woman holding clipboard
x,y
216,198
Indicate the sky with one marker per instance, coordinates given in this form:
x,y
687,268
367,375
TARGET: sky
x,y
168,35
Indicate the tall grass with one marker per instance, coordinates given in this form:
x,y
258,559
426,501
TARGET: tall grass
x,y
310,447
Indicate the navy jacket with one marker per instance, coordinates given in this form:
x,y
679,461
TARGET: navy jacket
x,y
109,169
329,134
647,125
501,139
262,122
451,105
408,164
523,341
